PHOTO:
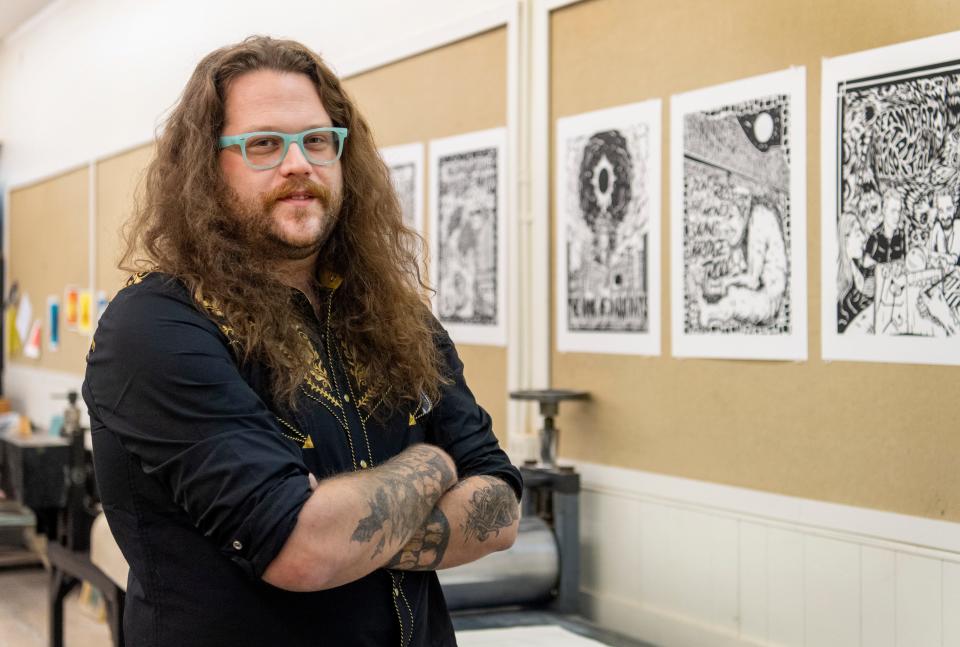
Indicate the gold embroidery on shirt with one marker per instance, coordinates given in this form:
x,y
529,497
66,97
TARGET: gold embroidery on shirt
x,y
212,307
319,381
424,408
359,375
298,437
339,416
134,279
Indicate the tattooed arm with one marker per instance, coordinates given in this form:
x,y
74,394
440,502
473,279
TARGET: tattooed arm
x,y
480,515
353,524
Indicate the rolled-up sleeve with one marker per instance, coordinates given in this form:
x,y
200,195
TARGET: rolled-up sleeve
x,y
464,429
162,379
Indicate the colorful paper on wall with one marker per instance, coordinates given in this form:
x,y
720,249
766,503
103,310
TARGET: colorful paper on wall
x,y
102,303
32,348
71,307
13,339
53,322
24,316
85,315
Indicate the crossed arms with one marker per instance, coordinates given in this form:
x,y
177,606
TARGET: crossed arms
x,y
411,513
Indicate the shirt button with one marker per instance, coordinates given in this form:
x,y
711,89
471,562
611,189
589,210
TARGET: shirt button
x,y
346,397
237,545
363,465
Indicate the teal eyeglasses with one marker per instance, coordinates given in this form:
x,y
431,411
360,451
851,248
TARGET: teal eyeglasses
x,y
266,150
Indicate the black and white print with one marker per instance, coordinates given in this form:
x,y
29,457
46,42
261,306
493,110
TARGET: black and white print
x,y
608,230
468,235
406,171
891,193
739,219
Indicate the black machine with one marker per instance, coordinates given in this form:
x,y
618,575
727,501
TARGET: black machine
x,y
53,476
542,569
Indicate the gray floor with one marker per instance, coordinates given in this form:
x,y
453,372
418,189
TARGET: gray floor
x,y
23,613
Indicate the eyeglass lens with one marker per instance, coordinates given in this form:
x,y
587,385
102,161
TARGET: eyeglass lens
x,y
319,148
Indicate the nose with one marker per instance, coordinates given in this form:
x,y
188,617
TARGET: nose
x,y
295,162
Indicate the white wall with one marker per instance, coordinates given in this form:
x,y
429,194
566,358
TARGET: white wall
x,y
87,78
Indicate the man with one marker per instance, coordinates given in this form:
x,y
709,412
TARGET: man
x,y
886,242
944,240
753,296
284,442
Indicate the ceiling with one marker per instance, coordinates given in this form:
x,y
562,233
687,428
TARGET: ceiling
x,y
14,13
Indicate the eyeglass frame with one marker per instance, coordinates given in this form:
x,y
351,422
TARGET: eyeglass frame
x,y
226,141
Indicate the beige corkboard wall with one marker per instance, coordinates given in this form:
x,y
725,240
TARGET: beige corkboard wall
x,y
49,234
118,180
455,89
873,435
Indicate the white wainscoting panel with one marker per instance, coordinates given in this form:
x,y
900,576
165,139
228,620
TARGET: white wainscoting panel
x,y
716,563
878,595
951,604
785,601
618,562
676,562
919,600
831,592
753,581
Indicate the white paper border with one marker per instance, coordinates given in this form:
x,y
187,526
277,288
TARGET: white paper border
x,y
485,335
881,61
410,154
793,346
619,342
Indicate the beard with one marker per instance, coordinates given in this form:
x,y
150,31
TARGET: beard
x,y
261,231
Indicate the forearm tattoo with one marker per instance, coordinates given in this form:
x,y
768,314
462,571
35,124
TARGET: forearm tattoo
x,y
426,548
490,509
403,493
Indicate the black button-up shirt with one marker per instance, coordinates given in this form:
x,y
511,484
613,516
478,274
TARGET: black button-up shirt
x,y
886,250
202,477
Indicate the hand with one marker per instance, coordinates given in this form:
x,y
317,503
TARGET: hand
x,y
940,311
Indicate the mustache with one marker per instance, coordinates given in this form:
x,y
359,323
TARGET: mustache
x,y
291,187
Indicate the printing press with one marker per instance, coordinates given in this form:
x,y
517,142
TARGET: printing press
x,y
542,569
537,581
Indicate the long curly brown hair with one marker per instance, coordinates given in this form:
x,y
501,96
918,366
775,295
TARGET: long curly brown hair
x,y
182,226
